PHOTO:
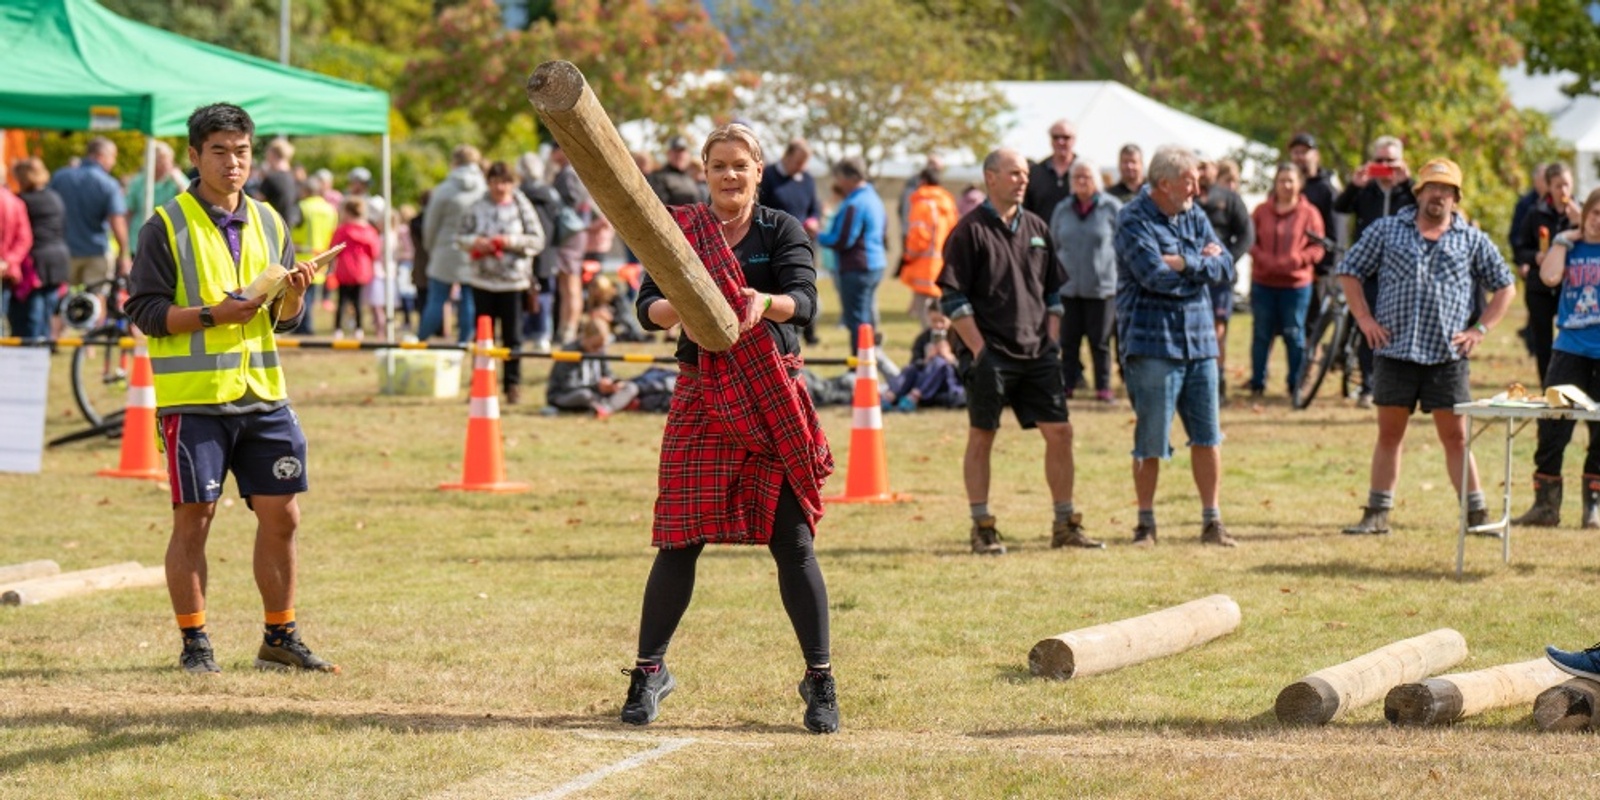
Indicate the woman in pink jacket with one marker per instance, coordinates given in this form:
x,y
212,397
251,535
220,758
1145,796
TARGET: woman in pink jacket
x,y
1283,260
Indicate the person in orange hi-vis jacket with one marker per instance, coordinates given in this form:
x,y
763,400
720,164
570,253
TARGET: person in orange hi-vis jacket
x,y
932,215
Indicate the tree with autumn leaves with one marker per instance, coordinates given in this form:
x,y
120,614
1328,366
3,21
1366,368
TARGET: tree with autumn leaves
x,y
1350,71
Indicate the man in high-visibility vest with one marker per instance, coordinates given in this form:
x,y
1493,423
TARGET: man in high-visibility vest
x,y
219,387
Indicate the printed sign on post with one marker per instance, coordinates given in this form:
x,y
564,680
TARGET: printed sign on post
x,y
105,118
24,388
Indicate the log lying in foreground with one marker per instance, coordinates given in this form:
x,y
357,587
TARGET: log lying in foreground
x,y
1325,695
1569,706
1102,648
28,570
128,575
1447,698
570,110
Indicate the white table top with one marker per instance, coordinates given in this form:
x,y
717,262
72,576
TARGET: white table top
x,y
1482,410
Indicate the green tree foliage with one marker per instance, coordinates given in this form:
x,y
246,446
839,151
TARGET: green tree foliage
x,y
1351,70
640,57
865,77
1560,35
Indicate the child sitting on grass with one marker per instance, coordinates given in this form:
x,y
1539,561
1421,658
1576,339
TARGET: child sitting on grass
x,y
930,379
588,385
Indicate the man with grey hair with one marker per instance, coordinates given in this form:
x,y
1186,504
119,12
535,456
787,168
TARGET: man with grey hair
x,y
1049,180
1168,261
1001,288
1379,188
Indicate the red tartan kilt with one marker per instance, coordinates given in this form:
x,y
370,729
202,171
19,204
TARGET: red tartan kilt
x,y
700,497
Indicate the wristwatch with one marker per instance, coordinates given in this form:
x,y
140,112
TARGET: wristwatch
x,y
206,320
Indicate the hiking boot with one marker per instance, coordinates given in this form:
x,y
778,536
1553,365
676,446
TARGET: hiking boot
x,y
1215,533
985,539
1374,522
1069,533
822,701
513,394
197,658
1582,663
646,690
291,654
1546,510
1591,501
1144,536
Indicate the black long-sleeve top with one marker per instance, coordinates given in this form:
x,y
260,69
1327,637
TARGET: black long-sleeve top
x,y
776,257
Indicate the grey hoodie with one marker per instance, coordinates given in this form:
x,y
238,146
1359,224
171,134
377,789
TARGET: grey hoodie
x,y
442,221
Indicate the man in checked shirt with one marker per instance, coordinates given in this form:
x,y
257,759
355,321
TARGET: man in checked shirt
x,y
1428,261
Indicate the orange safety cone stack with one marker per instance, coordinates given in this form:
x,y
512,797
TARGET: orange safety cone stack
x,y
867,477
139,456
483,468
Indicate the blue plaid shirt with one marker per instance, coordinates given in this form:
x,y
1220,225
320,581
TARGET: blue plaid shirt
x,y
1162,312
1424,290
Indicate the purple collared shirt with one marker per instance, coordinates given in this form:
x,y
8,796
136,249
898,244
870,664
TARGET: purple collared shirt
x,y
230,223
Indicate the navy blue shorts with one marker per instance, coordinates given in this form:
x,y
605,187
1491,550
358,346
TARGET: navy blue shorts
x,y
266,453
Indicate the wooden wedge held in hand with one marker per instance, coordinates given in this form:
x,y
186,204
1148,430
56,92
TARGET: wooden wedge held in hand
x,y
570,110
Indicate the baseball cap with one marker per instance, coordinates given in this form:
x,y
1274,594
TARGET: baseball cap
x,y
1303,139
360,174
677,143
1439,170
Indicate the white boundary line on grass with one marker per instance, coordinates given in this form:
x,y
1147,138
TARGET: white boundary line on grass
x,y
589,779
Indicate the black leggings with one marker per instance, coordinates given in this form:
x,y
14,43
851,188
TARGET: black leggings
x,y
1556,434
349,295
805,596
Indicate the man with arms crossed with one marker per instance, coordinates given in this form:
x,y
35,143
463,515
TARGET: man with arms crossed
x,y
219,386
1001,289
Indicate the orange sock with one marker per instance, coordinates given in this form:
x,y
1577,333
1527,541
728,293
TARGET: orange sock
x,y
195,620
280,617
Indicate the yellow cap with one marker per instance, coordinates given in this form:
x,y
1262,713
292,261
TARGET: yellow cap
x,y
1439,170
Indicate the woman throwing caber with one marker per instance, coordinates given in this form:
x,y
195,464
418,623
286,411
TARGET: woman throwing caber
x,y
743,456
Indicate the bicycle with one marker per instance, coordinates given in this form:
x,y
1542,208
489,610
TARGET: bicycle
x,y
1334,343
100,365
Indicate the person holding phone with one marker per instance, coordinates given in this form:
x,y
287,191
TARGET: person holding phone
x,y
1379,188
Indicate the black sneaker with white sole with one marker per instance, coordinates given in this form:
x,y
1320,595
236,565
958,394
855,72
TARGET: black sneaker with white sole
x,y
197,658
822,701
646,690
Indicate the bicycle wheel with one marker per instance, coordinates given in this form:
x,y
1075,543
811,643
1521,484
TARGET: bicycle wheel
x,y
100,374
1321,350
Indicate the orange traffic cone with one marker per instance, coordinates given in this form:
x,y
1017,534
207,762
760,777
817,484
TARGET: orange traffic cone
x,y
139,456
867,477
483,469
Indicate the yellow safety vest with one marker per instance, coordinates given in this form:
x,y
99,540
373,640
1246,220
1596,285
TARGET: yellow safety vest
x,y
318,218
220,364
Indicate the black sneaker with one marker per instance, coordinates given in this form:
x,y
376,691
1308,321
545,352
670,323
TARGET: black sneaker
x,y
646,690
197,658
1144,536
291,654
822,701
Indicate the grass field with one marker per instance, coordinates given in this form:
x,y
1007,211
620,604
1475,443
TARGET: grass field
x,y
482,636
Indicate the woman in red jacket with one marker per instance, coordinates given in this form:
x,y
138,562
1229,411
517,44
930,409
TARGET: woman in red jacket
x,y
1283,261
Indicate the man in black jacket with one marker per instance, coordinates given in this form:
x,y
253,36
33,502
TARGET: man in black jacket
x,y
1378,188
1321,187
1230,220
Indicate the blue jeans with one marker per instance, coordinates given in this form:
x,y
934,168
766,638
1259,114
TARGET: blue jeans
x,y
30,318
1159,387
540,325
433,315
858,299
1277,312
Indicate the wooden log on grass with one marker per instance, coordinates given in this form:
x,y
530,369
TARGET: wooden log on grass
x,y
1325,695
570,110
28,570
1569,706
127,575
1102,648
1447,698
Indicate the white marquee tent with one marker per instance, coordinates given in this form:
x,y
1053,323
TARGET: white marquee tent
x,y
1575,120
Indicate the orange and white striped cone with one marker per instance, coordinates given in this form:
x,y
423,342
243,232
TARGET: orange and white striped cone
x,y
483,467
867,476
140,459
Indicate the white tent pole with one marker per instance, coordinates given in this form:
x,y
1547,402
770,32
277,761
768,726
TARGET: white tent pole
x,y
149,188
391,286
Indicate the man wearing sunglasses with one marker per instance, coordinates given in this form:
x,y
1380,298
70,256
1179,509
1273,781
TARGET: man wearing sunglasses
x,y
1050,180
